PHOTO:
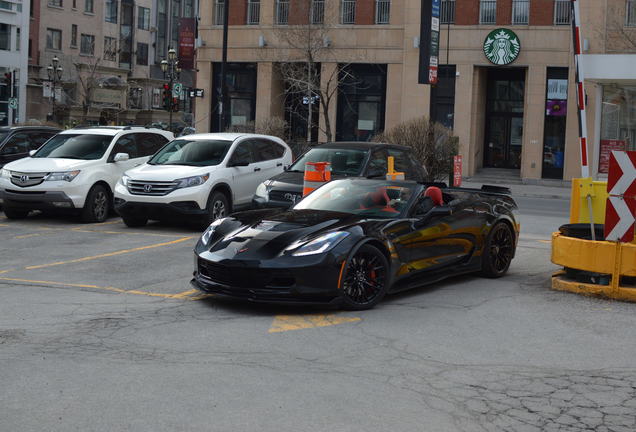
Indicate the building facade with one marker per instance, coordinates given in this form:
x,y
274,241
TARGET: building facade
x,y
14,26
109,58
506,84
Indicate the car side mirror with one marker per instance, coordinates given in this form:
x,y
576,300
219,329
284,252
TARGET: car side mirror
x,y
121,157
32,152
435,212
238,163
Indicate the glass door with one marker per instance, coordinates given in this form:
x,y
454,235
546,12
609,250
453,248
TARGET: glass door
x,y
504,138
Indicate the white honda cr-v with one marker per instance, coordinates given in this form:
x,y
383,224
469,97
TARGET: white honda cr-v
x,y
202,177
77,170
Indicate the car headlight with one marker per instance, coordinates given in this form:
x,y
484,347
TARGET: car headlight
x,y
318,245
124,180
192,181
261,191
5,173
205,238
62,176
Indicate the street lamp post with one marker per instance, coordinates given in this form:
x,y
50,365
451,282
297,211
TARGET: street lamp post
x,y
171,72
54,71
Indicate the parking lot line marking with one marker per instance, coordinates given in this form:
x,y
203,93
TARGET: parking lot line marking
x,y
108,223
283,323
4,225
27,236
544,241
110,254
150,234
182,295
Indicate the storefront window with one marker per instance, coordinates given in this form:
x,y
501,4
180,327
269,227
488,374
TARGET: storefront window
x,y
618,122
556,109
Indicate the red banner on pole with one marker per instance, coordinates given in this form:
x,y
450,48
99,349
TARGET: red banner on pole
x,y
186,43
457,171
607,146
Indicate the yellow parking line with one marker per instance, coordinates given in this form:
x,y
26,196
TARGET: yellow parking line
x,y
151,234
110,254
27,236
108,223
544,241
181,295
4,225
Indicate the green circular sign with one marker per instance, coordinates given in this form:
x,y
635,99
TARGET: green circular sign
x,y
502,46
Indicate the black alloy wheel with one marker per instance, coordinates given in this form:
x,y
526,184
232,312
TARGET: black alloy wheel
x,y
366,278
498,252
97,205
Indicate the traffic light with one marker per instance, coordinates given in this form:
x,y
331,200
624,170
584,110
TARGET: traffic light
x,y
167,97
8,77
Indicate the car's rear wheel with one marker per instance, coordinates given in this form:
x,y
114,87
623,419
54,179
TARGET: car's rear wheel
x,y
14,213
498,252
365,280
134,221
97,205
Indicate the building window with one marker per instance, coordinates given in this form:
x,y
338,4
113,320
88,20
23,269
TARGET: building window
x,y
631,13
188,8
347,11
89,6
110,48
142,54
241,93
382,11
110,15
317,11
520,11
488,11
143,18
562,12
162,30
5,37
17,39
219,6
282,12
55,3
253,11
54,39
447,12
74,36
87,46
556,111
74,4
174,25
125,35
30,48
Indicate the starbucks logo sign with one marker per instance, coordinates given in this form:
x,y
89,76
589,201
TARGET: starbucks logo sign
x,y
502,46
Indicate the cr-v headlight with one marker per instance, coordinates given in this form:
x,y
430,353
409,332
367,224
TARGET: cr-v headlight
x,y
318,245
62,176
192,181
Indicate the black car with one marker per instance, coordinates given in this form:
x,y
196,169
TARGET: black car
x,y
16,142
348,159
352,241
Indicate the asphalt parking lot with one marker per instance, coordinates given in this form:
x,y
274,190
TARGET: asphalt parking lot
x,y
101,330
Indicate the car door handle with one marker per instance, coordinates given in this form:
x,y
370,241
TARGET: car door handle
x,y
279,164
256,169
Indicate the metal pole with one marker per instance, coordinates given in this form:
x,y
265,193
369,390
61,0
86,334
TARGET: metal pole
x,y
223,89
447,33
171,97
580,87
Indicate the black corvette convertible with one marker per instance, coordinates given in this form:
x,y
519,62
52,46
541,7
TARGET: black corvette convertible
x,y
352,241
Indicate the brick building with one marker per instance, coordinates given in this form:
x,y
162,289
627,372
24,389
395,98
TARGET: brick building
x,y
511,112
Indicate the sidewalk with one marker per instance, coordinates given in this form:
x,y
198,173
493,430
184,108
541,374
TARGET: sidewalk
x,y
527,190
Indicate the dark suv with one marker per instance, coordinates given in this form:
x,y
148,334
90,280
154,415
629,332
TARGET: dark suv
x,y
348,159
16,142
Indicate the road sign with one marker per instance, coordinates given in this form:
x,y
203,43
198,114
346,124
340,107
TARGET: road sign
x,y
620,213
177,88
196,93
13,103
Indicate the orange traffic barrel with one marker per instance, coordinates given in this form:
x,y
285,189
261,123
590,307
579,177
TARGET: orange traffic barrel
x,y
316,175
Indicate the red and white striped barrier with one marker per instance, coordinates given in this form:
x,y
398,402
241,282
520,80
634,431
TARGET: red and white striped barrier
x,y
580,87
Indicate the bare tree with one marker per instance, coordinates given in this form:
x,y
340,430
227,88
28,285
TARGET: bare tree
x,y
307,45
618,34
87,82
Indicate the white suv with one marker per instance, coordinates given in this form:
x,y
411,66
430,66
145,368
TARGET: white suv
x,y
203,176
77,170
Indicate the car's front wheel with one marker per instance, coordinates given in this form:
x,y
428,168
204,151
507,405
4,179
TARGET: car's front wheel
x,y
366,278
499,250
218,206
14,213
97,205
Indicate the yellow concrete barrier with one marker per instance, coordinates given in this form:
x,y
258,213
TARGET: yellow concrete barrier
x,y
615,259
579,204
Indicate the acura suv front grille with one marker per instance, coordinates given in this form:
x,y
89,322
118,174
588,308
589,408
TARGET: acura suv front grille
x,y
27,179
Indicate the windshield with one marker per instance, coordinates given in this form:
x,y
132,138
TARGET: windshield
x,y
343,162
374,199
75,146
192,152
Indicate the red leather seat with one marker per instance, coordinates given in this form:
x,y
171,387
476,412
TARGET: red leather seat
x,y
435,194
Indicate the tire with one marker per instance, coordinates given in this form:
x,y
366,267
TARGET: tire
x,y
97,205
14,213
134,222
218,207
366,279
498,251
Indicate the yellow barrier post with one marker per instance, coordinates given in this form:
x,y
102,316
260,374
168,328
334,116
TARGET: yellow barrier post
x,y
392,174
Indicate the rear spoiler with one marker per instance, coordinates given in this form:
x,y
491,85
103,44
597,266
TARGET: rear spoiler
x,y
496,189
